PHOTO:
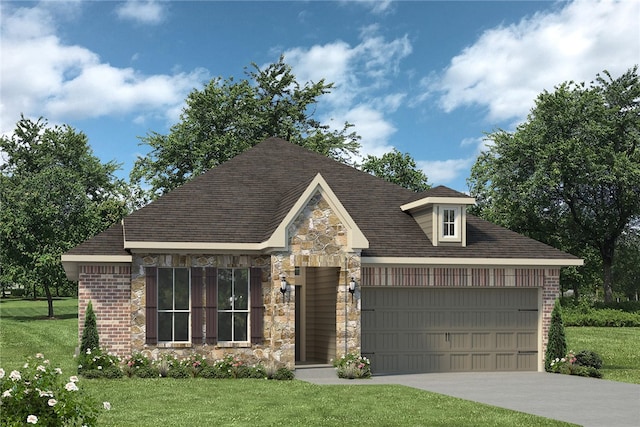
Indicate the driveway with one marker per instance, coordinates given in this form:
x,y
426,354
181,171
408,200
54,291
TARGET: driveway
x,y
586,401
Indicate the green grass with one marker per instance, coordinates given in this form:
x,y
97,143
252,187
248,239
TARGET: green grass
x,y
25,330
618,347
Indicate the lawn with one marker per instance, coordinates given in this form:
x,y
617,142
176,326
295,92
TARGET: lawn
x,y
24,331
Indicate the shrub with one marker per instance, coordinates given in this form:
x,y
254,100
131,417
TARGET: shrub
x,y
90,338
133,363
99,361
568,365
147,372
39,394
229,367
194,363
584,315
179,371
557,342
353,365
283,374
589,358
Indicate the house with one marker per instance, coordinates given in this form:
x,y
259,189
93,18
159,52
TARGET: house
x,y
284,256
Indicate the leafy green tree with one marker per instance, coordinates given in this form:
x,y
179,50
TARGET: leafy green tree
x,y
570,175
557,342
626,267
227,117
54,194
397,168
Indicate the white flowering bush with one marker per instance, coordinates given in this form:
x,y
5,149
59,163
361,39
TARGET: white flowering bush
x,y
96,363
353,365
40,394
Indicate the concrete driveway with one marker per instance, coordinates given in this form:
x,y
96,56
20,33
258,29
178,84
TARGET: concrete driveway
x,y
586,401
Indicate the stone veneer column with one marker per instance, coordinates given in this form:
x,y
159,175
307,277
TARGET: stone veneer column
x,y
109,289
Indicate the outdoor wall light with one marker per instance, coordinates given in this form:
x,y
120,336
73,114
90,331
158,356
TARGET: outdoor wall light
x,y
283,285
352,287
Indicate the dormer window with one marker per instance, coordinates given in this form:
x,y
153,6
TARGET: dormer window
x,y
449,217
450,224
442,216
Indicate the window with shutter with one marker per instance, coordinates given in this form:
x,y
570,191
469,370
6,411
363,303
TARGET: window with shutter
x,y
174,306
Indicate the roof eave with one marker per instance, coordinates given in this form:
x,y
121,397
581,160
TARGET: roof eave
x,y
443,261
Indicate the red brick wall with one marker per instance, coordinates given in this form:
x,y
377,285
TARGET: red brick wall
x,y
109,289
550,292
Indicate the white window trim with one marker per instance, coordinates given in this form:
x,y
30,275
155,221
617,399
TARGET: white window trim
x,y
174,343
457,236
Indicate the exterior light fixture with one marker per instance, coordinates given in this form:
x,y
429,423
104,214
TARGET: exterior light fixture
x,y
283,285
352,287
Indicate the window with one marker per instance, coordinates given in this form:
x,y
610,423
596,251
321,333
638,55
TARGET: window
x,y
173,304
233,304
449,226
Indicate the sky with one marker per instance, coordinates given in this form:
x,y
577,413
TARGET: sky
x,y
428,78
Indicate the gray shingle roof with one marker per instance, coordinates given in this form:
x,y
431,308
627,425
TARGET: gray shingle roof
x,y
246,198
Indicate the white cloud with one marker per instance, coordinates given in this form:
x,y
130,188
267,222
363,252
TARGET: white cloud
x,y
143,12
41,75
440,172
361,75
507,67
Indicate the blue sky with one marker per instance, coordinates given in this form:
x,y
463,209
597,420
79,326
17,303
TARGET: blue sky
x,y
428,78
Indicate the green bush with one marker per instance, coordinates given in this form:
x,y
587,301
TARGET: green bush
x,y
583,315
352,366
90,339
589,358
557,342
568,365
283,374
147,372
38,394
179,371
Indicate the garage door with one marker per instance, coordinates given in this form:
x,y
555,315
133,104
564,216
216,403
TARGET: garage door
x,y
446,330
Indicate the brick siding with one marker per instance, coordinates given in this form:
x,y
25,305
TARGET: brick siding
x,y
109,289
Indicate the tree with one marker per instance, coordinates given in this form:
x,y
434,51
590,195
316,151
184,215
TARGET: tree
x,y
90,339
397,168
570,175
557,342
626,267
227,117
55,194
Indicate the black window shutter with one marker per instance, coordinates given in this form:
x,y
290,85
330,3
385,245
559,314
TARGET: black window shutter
x,y
196,305
211,309
257,306
151,312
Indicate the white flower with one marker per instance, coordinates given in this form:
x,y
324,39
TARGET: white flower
x,y
7,393
25,366
15,375
32,419
73,379
99,367
71,387
52,402
58,371
1,373
106,405
88,351
39,356
41,368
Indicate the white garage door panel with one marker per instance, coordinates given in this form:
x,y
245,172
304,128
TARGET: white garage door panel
x,y
441,330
